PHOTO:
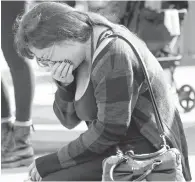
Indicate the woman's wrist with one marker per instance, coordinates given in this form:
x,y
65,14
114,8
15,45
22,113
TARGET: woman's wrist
x,y
66,92
68,87
65,84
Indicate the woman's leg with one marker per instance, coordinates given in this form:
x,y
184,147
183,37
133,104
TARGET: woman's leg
x,y
89,171
92,170
23,81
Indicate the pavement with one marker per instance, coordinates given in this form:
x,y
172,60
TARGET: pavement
x,y
49,135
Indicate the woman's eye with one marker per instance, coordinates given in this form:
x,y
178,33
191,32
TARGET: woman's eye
x,y
38,59
51,63
68,61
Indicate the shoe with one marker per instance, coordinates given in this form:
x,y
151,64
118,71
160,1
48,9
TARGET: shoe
x,y
7,139
22,153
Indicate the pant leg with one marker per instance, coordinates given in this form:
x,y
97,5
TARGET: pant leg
x,y
21,72
5,102
89,171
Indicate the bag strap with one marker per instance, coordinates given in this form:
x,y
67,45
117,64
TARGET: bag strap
x,y
155,163
144,69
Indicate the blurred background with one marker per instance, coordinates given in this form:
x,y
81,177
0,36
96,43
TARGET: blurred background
x,y
176,54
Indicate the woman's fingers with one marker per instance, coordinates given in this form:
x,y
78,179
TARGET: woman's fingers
x,y
37,176
53,71
70,70
33,174
65,70
70,77
60,69
57,70
30,168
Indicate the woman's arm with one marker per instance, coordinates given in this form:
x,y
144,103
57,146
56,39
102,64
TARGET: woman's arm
x,y
64,106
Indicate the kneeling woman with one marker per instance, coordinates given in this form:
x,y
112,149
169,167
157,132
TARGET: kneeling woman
x,y
100,81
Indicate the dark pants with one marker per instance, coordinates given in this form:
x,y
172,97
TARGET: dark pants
x,y
5,101
23,79
92,170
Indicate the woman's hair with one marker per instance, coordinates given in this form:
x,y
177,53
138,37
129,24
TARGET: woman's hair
x,y
51,22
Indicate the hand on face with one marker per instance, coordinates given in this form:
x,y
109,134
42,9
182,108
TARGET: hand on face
x,y
62,72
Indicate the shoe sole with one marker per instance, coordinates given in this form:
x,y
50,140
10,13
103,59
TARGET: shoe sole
x,y
17,155
19,163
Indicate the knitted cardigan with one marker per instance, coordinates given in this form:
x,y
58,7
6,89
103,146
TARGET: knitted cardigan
x,y
121,94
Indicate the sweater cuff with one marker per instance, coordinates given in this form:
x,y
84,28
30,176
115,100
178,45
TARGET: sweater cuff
x,y
48,164
66,93
64,158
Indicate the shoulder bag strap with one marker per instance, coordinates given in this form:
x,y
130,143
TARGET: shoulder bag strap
x,y
154,104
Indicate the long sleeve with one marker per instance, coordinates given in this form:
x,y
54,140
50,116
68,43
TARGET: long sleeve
x,y
116,91
64,106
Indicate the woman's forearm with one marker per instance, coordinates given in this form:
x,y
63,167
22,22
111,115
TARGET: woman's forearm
x,y
64,106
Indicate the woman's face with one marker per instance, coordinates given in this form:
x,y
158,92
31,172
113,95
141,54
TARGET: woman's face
x,y
73,52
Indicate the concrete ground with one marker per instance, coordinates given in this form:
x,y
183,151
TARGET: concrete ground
x,y
49,135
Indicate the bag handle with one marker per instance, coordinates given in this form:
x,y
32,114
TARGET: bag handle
x,y
151,167
154,104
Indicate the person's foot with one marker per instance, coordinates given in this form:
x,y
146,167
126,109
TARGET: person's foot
x,y
18,158
7,139
21,153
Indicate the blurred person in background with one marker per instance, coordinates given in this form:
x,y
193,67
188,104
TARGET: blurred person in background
x,y
175,4
100,80
30,4
114,11
16,148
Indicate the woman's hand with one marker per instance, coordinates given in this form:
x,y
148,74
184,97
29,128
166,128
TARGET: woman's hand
x,y
33,173
62,72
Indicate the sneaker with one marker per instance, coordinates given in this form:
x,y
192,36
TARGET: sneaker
x,y
22,153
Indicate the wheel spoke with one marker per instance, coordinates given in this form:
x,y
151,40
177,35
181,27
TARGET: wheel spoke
x,y
186,96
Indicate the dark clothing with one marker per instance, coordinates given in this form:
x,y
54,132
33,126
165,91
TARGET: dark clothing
x,y
5,101
20,70
121,98
175,4
92,169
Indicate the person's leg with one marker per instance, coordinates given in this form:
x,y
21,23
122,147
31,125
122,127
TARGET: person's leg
x,y
22,77
92,170
5,102
23,81
21,71
89,171
6,119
